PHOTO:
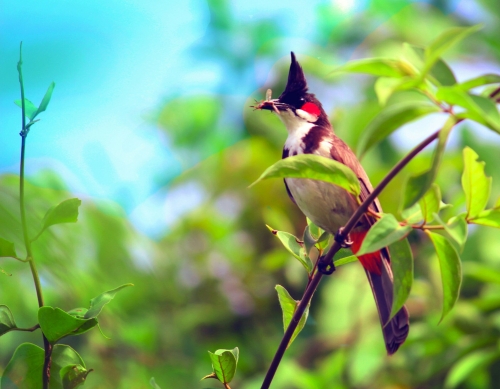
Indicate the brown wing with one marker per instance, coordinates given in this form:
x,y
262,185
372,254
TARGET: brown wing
x,y
342,153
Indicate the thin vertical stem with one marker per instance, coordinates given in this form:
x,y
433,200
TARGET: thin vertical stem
x,y
27,242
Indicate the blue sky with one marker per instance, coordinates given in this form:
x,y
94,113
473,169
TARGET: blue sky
x,y
114,63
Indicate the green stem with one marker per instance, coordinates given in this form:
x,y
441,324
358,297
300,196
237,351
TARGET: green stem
x,y
27,242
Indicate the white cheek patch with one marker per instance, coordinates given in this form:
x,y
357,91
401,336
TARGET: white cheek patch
x,y
306,115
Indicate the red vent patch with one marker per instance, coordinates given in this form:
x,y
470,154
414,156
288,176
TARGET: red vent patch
x,y
311,108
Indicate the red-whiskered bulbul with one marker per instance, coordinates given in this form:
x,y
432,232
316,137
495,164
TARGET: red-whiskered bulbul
x,y
330,206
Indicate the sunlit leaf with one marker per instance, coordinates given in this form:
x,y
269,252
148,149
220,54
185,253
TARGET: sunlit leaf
x,y
24,370
439,74
390,119
29,108
490,218
291,243
402,270
314,167
224,363
7,322
419,184
456,227
383,233
484,79
288,307
430,202
451,270
65,212
98,303
468,364
476,185
444,42
413,214
478,108
385,87
375,66
7,249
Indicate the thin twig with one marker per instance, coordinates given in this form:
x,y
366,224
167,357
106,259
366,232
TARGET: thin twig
x,y
31,329
327,259
495,92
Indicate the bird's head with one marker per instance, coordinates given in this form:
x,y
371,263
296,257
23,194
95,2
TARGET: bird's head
x,y
295,105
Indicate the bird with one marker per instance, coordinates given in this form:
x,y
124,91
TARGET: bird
x,y
330,206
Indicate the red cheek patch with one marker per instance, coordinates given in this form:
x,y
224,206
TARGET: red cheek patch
x,y
311,108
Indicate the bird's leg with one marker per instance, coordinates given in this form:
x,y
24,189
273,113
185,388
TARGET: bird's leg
x,y
342,239
327,267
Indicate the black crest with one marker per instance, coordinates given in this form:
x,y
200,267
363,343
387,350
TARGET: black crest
x,y
297,84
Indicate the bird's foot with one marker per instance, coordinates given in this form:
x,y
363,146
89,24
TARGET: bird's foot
x,y
342,240
325,267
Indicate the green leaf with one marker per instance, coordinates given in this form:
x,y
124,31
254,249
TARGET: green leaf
x,y
45,101
451,271
376,66
478,108
309,241
314,230
476,185
288,307
444,42
62,357
7,249
419,184
29,108
65,212
390,119
345,260
485,79
468,364
490,218
153,383
402,270
383,233
386,86
323,241
456,228
314,167
291,243
72,376
24,370
7,322
430,202
56,323
224,363
413,214
98,303
440,73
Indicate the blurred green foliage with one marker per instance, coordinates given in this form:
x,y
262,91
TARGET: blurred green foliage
x,y
208,283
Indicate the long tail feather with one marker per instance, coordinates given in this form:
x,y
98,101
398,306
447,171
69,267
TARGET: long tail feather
x,y
379,273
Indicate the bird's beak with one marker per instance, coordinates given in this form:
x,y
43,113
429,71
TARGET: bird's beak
x,y
272,105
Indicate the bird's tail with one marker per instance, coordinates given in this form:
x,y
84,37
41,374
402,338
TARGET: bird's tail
x,y
379,273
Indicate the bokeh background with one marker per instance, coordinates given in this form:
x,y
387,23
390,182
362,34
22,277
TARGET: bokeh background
x,y
150,126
